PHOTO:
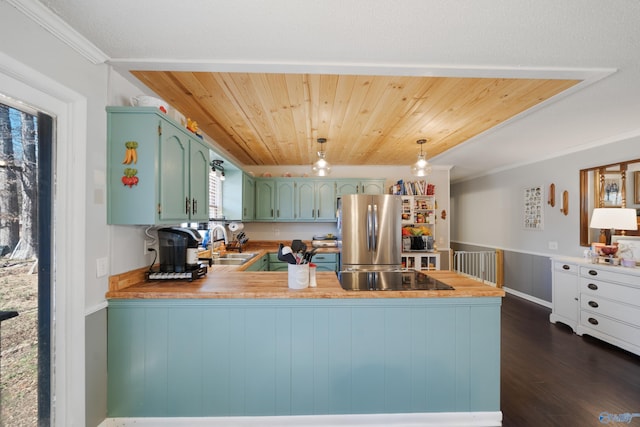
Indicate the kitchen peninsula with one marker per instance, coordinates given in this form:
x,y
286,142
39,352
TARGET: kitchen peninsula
x,y
242,344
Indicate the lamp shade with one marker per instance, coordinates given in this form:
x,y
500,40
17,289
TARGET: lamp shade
x,y
617,218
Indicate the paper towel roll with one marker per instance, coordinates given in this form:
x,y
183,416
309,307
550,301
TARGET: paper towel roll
x,y
236,226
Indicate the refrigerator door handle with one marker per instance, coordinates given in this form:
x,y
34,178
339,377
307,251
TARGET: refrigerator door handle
x,y
369,227
374,235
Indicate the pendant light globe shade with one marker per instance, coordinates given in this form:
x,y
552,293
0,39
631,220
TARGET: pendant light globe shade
x,y
422,166
321,167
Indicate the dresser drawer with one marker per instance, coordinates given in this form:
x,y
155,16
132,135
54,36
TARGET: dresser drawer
x,y
603,307
610,276
565,267
610,290
605,325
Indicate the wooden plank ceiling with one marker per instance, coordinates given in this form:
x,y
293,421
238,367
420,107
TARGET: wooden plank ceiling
x,y
275,119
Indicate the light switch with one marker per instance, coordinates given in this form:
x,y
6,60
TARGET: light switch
x,y
102,266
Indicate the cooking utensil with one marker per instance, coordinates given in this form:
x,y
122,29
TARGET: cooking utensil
x,y
308,255
298,246
287,255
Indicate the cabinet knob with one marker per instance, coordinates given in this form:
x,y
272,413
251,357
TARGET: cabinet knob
x,y
566,267
592,286
593,321
593,272
593,304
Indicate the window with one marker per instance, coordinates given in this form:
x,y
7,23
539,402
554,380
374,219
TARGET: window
x,y
215,195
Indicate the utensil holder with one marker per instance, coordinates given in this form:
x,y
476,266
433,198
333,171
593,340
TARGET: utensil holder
x,y
298,276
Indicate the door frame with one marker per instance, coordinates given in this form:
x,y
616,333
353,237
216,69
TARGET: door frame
x,y
69,110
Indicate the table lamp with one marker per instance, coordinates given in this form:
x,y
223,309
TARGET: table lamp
x,y
612,219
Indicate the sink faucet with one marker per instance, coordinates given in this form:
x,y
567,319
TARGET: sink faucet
x,y
224,232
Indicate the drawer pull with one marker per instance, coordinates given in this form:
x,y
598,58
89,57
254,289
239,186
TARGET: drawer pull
x,y
593,272
566,267
592,286
593,321
593,304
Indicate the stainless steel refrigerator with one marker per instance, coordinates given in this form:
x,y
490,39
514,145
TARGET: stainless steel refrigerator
x,y
369,232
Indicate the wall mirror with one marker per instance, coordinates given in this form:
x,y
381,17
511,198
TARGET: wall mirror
x,y
608,186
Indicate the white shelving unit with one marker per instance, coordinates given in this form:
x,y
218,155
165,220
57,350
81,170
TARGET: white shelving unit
x,y
421,260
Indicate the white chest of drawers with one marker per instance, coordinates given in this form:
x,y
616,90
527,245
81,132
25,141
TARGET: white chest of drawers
x,y
598,300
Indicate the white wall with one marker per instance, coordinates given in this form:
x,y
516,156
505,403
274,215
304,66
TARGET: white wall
x,y
487,211
40,70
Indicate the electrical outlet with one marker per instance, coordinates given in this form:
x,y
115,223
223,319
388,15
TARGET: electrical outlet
x,y
148,244
553,246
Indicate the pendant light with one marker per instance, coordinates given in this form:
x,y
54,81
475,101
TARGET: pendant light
x,y
421,167
321,167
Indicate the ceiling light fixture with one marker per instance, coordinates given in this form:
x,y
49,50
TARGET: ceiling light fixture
x,y
321,167
217,168
421,167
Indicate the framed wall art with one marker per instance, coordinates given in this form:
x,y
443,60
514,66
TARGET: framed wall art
x,y
533,218
636,187
608,189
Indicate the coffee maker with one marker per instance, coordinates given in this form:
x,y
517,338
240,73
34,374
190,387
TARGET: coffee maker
x,y
178,251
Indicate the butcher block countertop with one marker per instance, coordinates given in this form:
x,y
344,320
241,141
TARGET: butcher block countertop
x,y
273,284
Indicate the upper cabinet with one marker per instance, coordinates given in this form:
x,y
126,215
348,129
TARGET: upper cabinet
x,y
158,172
359,186
316,200
306,199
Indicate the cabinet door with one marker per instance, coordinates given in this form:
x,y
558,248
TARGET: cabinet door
x,y
173,175
325,201
248,197
373,186
565,294
285,197
199,181
305,201
265,199
347,186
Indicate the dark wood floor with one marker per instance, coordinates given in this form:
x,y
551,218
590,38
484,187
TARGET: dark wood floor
x,y
552,377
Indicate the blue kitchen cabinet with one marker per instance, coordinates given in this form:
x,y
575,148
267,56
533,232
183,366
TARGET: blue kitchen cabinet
x,y
275,264
359,186
285,199
260,265
275,199
316,200
326,262
265,200
172,170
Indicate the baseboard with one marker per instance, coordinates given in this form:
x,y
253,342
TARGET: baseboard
x,y
439,419
528,297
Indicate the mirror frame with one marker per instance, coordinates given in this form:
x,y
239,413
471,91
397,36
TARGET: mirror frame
x,y
585,193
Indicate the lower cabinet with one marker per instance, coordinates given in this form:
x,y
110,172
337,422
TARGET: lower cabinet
x,y
261,265
324,262
565,294
598,300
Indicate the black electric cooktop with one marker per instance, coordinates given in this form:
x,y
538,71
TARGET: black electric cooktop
x,y
393,280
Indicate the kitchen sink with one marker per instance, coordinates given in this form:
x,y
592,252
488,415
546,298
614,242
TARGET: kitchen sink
x,y
245,255
228,261
233,259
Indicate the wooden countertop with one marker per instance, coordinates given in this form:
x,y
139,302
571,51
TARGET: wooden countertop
x,y
273,284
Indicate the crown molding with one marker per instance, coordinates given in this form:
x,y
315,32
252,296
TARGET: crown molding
x,y
51,22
